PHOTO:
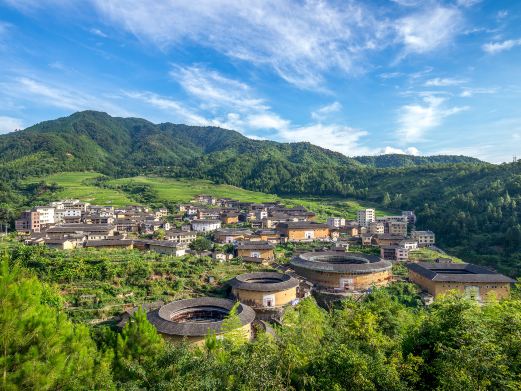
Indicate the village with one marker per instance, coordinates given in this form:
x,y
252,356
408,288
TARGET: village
x,y
349,258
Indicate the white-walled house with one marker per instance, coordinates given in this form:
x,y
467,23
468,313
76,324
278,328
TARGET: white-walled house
x,y
205,225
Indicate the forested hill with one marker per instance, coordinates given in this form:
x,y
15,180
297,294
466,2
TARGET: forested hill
x,y
474,207
396,160
122,146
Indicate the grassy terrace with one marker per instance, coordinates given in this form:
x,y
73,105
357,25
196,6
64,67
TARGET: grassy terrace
x,y
183,190
76,185
426,255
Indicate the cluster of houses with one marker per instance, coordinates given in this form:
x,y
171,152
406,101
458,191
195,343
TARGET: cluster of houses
x,y
252,231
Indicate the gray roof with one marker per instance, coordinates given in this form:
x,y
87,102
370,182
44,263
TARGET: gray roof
x,y
340,262
66,228
161,318
457,272
264,282
255,245
233,231
301,225
108,242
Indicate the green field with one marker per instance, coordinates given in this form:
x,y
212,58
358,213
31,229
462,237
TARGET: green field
x,y
183,190
76,185
427,254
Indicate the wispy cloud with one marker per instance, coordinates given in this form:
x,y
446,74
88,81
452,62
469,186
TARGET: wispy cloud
x,y
429,29
498,47
415,120
179,111
467,3
468,92
98,32
300,41
216,90
324,111
61,96
444,82
8,124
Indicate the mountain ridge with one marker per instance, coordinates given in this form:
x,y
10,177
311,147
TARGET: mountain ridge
x,y
89,130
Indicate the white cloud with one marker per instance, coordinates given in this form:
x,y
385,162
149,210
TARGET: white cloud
x,y
300,41
430,29
502,14
66,97
407,3
216,90
181,113
467,3
324,111
392,150
498,47
416,119
390,75
98,32
266,121
9,124
444,82
339,138
468,92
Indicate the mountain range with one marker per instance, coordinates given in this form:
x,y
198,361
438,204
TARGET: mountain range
x,y
473,206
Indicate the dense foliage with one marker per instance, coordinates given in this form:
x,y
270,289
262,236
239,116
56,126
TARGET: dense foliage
x,y
386,342
474,207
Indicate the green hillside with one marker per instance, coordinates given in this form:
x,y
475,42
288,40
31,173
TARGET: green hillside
x,y
82,185
397,160
473,206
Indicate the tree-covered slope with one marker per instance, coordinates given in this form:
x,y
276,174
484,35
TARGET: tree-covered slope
x,y
473,206
398,160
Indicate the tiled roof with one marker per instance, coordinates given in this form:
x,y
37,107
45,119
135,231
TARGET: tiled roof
x,y
161,318
264,282
457,272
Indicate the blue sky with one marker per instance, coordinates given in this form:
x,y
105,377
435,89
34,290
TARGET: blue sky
x,y
358,77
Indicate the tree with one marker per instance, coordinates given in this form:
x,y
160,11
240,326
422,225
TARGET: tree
x,y
40,348
201,244
159,234
136,346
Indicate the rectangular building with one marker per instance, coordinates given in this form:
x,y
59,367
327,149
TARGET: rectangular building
x,y
303,231
365,217
28,222
424,238
475,282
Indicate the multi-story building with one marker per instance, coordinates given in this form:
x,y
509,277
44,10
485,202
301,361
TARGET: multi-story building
x,y
411,217
336,222
397,228
28,222
365,217
424,238
205,225
376,228
46,214
179,236
394,253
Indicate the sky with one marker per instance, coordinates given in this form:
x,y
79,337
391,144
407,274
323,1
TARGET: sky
x,y
358,77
